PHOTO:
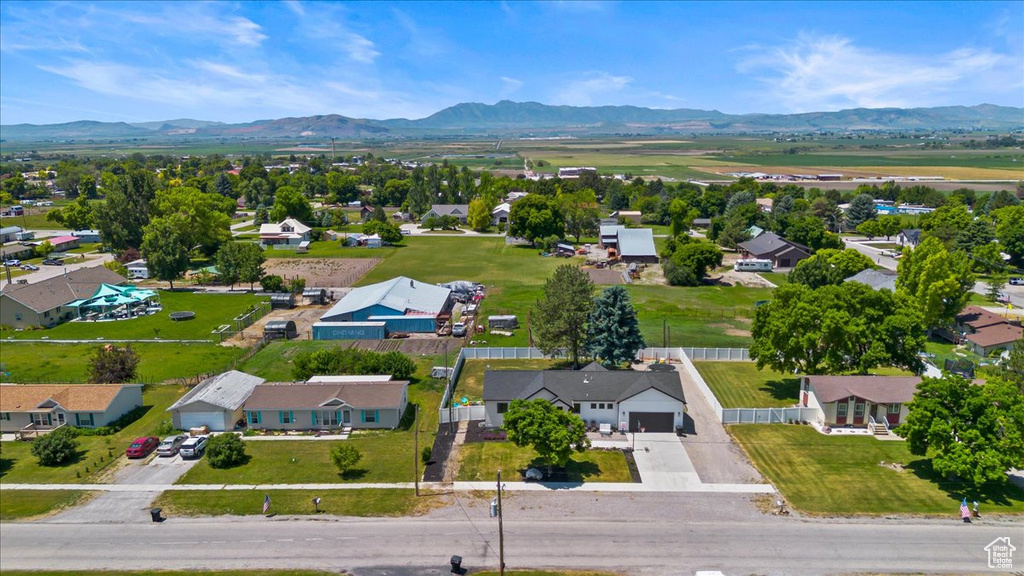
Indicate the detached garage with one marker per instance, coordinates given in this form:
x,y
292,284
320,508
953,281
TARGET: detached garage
x,y
215,403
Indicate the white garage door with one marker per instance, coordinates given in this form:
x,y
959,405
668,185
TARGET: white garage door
x,y
215,420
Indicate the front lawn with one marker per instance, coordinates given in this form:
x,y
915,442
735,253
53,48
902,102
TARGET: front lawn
x,y
742,385
96,453
212,310
355,502
471,378
19,504
842,475
42,362
480,461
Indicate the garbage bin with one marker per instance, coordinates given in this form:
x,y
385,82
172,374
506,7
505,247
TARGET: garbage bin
x,y
457,564
155,513
679,431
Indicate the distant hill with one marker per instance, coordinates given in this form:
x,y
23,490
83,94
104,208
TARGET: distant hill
x,y
514,118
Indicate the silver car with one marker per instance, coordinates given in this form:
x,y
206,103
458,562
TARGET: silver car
x,y
171,445
194,447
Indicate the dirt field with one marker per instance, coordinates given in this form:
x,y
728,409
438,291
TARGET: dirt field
x,y
304,317
604,276
322,272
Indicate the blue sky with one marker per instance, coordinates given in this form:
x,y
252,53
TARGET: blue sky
x,y
244,61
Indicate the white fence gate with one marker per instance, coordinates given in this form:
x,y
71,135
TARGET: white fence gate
x,y
461,413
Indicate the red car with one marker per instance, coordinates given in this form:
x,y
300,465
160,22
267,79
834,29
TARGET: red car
x,y
141,447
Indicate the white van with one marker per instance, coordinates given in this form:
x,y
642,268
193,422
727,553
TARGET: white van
x,y
752,265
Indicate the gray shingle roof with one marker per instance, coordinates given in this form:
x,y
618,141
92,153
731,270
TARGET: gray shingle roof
x,y
570,386
770,243
877,279
59,290
228,390
400,293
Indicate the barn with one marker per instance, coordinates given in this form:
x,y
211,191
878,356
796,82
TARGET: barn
x,y
403,304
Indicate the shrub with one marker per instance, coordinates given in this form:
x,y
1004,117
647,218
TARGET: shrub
x,y
117,425
226,451
56,448
425,454
113,364
345,456
166,428
272,283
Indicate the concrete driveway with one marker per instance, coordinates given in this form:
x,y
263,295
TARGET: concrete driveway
x,y
128,507
663,462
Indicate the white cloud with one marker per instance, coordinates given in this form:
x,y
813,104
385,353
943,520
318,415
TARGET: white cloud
x,y
593,87
360,48
831,73
296,7
198,19
510,86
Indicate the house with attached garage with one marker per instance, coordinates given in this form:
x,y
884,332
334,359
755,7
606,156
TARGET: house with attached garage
x,y
289,233
215,402
323,405
878,403
45,303
460,211
985,332
771,246
652,401
35,409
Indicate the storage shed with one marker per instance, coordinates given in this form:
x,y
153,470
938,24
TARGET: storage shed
x,y
315,295
284,329
282,301
349,331
509,322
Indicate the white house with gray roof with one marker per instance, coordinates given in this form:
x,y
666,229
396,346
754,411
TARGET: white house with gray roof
x,y
460,211
215,402
652,401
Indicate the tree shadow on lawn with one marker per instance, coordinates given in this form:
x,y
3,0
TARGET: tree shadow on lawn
x,y
574,471
353,474
788,389
995,493
5,466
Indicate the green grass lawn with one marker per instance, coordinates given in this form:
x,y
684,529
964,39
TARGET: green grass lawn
x,y
481,461
742,385
249,572
212,310
841,475
471,378
274,362
777,278
39,362
20,504
17,465
355,502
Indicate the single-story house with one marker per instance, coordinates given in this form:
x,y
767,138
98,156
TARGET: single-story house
x,y
63,243
909,237
974,318
315,405
855,400
289,233
87,236
627,216
215,402
755,231
10,233
985,332
15,251
653,401
878,279
39,408
702,222
403,304
637,245
45,303
460,211
137,269
771,246
500,213
515,195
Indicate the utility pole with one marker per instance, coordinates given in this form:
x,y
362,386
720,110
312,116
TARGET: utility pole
x,y
416,447
501,533
334,156
664,338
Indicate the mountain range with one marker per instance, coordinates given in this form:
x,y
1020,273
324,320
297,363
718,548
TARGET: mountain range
x,y
507,118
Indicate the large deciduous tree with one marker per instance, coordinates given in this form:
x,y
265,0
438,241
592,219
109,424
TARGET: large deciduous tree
x,y
535,217
204,220
167,254
829,266
972,432
614,331
1010,231
939,281
479,217
837,329
580,211
689,263
554,434
388,231
125,212
240,262
560,319
290,203
78,215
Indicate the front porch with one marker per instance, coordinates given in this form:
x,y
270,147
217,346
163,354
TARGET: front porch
x,y
36,429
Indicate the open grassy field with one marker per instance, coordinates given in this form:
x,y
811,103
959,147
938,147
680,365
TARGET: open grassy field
x,y
546,573
471,379
274,362
40,362
212,310
248,572
96,453
481,461
356,502
22,504
842,475
742,385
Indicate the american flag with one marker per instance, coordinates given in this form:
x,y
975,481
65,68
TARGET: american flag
x,y
965,512
266,503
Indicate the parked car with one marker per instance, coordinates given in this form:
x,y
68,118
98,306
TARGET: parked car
x,y
141,447
1017,281
53,262
194,447
12,262
459,329
29,267
171,445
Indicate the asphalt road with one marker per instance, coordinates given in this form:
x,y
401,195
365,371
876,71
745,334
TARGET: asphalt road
x,y
423,545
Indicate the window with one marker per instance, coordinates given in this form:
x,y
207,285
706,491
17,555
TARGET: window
x,y
41,419
894,408
593,406
502,407
858,410
83,419
5,415
17,316
370,416
286,417
575,408
326,418
253,417
841,410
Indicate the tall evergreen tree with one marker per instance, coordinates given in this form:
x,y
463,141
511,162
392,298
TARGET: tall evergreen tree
x,y
614,331
862,208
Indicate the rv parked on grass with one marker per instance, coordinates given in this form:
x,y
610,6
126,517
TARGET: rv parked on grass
x,y
753,265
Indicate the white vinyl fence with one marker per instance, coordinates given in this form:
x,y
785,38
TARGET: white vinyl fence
x,y
767,415
718,354
460,413
477,412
